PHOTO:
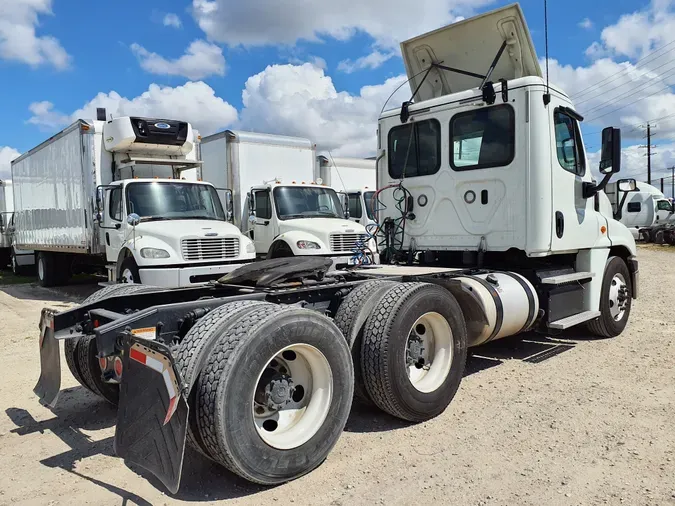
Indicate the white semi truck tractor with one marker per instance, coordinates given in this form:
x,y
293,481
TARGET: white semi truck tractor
x,y
108,195
493,226
277,200
355,180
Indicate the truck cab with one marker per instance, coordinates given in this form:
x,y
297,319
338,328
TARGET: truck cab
x,y
305,219
639,205
513,187
169,231
360,204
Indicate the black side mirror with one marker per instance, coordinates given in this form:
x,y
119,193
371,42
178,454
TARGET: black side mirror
x,y
610,160
610,157
345,205
627,185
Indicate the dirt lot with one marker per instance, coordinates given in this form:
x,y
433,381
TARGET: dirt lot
x,y
592,424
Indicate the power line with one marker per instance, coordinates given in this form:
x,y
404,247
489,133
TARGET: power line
x,y
636,65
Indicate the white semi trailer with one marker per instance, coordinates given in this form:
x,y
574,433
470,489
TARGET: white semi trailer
x,y
278,202
354,179
501,231
108,194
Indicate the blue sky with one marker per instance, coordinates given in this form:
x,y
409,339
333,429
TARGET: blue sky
x,y
87,48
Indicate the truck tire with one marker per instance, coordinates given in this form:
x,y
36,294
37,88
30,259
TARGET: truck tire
x,y
659,237
194,349
46,269
5,257
616,297
129,272
351,318
414,351
286,360
78,350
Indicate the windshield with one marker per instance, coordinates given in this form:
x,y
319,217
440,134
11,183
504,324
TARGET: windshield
x,y
174,201
368,198
307,202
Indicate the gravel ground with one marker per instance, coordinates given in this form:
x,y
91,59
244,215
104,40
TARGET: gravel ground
x,y
592,424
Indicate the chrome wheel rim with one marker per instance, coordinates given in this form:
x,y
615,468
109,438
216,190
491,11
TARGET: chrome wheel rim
x,y
618,297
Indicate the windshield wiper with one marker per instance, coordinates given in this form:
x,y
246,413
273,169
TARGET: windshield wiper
x,y
294,216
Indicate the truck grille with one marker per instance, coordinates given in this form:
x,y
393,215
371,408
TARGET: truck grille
x,y
344,242
210,249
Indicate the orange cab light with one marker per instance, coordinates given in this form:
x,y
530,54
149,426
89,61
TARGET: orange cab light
x,y
603,229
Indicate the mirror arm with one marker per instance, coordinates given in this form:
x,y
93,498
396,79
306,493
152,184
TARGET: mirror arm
x,y
590,189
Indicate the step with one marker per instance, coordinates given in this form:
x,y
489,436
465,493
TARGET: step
x,y
568,278
106,283
573,320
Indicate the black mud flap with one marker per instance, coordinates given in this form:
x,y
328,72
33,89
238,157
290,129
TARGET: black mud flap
x,y
153,412
49,384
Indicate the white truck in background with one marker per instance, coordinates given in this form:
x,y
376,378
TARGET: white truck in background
x,y
20,260
107,195
278,202
354,179
639,206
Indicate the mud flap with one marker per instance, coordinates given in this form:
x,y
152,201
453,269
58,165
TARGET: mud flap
x,y
153,412
49,384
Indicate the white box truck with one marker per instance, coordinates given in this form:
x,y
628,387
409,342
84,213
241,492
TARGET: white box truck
x,y
277,201
21,261
355,178
108,194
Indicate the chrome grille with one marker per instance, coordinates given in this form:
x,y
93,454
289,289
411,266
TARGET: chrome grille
x,y
215,248
344,242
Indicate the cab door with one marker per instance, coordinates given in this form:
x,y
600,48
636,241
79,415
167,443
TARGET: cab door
x,y
263,225
575,221
113,222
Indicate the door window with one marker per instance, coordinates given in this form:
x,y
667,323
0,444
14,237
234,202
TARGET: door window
x,y
355,210
116,204
415,149
568,144
263,206
664,205
483,138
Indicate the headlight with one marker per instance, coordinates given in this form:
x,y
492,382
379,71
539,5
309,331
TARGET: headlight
x,y
308,245
250,247
154,253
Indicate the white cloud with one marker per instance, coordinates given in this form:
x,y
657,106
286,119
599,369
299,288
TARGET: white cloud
x,y
195,102
586,24
201,60
19,40
45,116
302,100
370,61
7,154
172,20
261,22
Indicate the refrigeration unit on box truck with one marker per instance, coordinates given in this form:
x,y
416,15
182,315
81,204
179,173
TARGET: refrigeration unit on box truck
x,y
277,201
108,194
355,178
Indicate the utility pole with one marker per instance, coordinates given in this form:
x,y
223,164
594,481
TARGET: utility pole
x,y
649,152
672,182
661,185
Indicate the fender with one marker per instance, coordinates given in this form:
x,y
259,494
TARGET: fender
x,y
291,239
123,254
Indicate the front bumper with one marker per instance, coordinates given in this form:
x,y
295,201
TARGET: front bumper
x,y
178,277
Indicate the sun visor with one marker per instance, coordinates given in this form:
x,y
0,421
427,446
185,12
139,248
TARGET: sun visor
x,y
471,45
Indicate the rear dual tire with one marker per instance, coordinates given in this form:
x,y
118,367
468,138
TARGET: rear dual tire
x,y
274,394
81,353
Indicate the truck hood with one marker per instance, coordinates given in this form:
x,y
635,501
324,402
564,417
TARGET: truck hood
x,y
322,226
171,230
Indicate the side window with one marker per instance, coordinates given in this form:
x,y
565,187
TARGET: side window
x,y
568,144
355,210
483,138
116,204
664,205
415,149
263,206
634,207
